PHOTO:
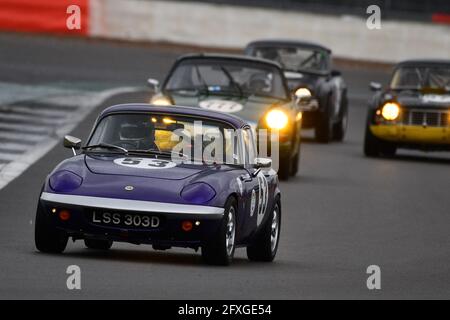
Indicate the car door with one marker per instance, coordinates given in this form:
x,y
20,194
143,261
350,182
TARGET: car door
x,y
256,187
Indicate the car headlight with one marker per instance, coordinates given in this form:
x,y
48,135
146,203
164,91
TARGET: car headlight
x,y
276,119
65,181
159,100
303,94
198,193
390,111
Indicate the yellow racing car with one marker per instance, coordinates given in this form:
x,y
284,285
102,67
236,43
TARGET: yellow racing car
x,y
413,112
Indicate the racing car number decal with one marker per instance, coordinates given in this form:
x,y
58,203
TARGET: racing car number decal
x,y
252,203
145,163
263,197
436,98
221,105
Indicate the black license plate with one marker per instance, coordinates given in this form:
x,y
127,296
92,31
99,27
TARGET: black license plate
x,y
127,220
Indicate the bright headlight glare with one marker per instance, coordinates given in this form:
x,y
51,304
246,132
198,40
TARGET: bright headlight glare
x,y
161,101
276,119
390,111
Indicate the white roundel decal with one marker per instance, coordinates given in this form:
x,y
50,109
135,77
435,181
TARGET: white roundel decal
x,y
436,98
252,203
221,105
145,163
263,197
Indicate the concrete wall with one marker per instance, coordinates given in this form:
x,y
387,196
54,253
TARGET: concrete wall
x,y
227,26
222,26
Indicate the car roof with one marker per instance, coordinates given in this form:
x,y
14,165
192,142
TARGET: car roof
x,y
222,56
232,120
287,43
423,62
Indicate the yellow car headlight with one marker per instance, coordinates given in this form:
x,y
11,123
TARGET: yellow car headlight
x,y
160,101
276,119
390,111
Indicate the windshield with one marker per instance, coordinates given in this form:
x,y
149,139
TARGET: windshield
x,y
178,138
421,77
227,77
294,58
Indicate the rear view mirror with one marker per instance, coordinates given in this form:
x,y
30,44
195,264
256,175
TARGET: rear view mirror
x,y
375,86
72,143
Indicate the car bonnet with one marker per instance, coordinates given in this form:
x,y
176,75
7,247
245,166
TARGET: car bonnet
x,y
250,109
146,167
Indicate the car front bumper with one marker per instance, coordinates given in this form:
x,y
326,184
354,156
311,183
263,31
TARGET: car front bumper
x,y
412,134
206,220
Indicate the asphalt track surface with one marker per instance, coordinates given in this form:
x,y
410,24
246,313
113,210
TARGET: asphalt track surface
x,y
342,213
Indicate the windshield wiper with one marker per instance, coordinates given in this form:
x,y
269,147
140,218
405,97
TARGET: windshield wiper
x,y
232,81
202,80
156,152
105,146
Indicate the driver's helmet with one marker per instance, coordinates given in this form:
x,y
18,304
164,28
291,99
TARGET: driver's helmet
x,y
259,83
142,134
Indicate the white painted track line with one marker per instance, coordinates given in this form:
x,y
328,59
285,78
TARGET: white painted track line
x,y
27,132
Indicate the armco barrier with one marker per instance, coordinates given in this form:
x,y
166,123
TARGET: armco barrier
x,y
211,25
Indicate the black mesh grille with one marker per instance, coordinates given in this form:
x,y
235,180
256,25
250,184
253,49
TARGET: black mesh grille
x,y
432,118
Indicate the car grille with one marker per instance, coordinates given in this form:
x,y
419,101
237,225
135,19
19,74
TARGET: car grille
x,y
430,118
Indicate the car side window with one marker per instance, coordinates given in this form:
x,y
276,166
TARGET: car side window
x,y
250,146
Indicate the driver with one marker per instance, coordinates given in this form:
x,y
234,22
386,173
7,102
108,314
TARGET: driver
x,y
141,136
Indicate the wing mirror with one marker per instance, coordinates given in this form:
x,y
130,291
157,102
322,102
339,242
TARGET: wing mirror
x,y
153,84
72,143
302,95
335,73
375,86
261,163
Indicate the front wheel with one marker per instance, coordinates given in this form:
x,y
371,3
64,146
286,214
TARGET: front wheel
x,y
220,249
324,128
265,246
285,167
295,164
374,147
340,128
47,238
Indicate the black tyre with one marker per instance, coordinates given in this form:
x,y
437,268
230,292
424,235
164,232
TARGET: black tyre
x,y
265,246
324,125
285,167
340,128
374,147
98,244
47,238
220,249
295,164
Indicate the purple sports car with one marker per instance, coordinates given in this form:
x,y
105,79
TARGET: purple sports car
x,y
167,176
